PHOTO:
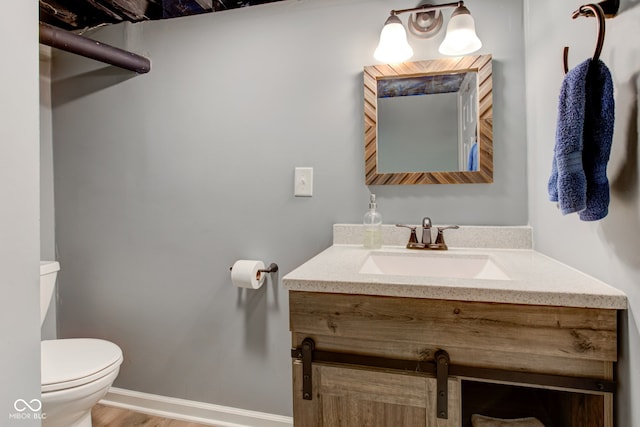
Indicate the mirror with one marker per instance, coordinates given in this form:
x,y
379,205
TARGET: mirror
x,y
429,122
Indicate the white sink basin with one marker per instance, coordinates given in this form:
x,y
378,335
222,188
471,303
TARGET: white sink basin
x,y
433,265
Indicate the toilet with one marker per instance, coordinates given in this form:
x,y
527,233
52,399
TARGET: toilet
x,y
75,373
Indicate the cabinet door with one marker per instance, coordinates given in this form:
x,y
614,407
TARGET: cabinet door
x,y
350,397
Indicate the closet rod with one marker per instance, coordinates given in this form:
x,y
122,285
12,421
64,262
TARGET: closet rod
x,y
70,42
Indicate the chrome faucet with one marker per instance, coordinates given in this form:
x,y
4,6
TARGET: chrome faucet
x,y
426,236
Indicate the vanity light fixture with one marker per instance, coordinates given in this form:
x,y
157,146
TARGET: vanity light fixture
x,y
460,39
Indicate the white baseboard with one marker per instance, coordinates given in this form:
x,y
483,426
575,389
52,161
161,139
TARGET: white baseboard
x,y
191,411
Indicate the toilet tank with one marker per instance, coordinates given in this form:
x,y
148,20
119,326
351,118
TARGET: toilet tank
x,y
48,273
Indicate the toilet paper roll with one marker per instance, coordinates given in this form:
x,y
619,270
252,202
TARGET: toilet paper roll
x,y
245,274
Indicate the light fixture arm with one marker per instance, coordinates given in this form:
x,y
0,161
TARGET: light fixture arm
x,y
427,7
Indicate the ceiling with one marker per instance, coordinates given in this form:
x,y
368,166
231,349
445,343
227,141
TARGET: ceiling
x,y
81,14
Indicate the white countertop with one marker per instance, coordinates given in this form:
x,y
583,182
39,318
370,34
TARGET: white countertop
x,y
534,279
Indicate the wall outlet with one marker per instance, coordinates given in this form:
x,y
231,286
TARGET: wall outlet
x,y
303,182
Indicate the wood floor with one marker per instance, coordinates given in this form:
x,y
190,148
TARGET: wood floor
x,y
108,416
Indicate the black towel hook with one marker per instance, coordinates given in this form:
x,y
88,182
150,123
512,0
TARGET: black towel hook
x,y
590,9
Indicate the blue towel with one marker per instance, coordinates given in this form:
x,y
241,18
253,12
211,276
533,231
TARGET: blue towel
x,y
584,134
472,161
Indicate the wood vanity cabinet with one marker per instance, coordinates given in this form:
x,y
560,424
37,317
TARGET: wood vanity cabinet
x,y
506,361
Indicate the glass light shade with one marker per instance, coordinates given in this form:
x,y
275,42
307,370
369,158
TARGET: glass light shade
x,y
393,46
461,38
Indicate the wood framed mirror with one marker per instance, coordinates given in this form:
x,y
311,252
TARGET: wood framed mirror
x,y
429,122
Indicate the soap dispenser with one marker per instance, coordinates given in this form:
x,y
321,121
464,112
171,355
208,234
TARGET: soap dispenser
x,y
372,226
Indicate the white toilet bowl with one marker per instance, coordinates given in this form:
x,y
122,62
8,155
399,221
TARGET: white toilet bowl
x,y
76,373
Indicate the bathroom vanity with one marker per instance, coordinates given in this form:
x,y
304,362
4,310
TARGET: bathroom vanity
x,y
398,337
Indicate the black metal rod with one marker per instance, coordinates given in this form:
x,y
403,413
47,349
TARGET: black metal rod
x,y
70,42
534,379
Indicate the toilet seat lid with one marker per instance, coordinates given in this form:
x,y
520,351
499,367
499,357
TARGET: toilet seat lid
x,y
67,363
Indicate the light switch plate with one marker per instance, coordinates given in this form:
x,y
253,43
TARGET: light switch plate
x,y
303,182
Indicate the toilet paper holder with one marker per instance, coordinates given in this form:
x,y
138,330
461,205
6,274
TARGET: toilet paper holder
x,y
273,268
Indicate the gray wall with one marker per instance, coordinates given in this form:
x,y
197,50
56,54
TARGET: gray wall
x,y
19,229
47,216
162,181
608,249
47,228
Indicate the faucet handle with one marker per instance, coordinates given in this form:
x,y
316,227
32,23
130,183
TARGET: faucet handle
x,y
440,244
413,238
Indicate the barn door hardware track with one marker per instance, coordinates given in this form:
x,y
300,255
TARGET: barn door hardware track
x,y
441,368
